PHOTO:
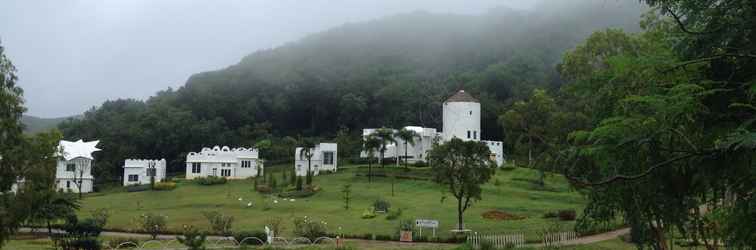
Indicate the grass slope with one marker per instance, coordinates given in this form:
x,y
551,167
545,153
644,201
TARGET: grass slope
x,y
419,199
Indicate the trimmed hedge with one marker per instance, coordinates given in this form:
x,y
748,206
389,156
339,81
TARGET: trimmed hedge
x,y
240,236
210,180
137,188
164,186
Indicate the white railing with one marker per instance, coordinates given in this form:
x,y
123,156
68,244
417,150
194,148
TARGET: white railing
x,y
557,239
498,241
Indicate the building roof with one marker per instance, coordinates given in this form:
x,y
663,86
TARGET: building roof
x,y
461,96
71,150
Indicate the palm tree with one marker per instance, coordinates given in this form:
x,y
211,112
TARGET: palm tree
x,y
371,145
408,136
385,136
307,152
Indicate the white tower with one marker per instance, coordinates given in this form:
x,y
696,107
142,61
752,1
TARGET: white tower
x,y
461,117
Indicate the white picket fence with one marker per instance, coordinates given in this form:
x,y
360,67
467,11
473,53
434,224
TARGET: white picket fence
x,y
499,241
558,239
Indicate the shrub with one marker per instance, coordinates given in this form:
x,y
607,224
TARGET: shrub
x,y
164,186
299,183
567,215
210,180
369,213
276,225
192,238
240,236
550,214
381,205
117,241
100,216
406,225
219,223
420,164
151,224
80,235
394,214
297,194
137,188
264,189
497,182
310,229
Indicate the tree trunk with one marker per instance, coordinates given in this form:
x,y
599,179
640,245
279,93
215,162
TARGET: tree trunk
x,y
460,224
405,155
660,237
370,170
49,229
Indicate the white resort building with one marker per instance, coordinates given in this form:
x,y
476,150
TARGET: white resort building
x,y
74,169
324,158
461,119
236,163
138,171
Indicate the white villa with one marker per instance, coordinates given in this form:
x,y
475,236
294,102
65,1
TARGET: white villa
x,y
138,171
461,119
324,158
236,163
74,170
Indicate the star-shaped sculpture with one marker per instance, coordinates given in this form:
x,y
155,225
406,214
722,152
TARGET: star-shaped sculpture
x,y
80,148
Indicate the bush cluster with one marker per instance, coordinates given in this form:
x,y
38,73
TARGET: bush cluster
x,y
251,236
369,213
310,229
113,243
152,224
210,180
297,194
164,186
420,164
381,205
567,215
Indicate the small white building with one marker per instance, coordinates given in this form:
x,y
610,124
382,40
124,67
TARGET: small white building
x,y
138,171
324,158
461,119
74,168
236,163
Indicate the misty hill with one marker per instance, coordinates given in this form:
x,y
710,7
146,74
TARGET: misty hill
x,y
35,124
392,72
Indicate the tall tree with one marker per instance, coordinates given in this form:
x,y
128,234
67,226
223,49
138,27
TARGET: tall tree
x,y
672,127
408,137
370,146
28,162
529,123
386,137
462,166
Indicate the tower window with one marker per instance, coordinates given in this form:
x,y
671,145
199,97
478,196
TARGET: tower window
x,y
470,112
468,134
475,134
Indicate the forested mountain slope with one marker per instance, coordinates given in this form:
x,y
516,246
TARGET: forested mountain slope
x,y
392,72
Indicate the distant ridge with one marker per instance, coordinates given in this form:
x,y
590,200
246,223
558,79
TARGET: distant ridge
x,y
35,124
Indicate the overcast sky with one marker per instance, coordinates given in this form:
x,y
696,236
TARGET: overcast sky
x,y
72,55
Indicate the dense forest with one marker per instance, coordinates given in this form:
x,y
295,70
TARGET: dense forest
x,y
390,72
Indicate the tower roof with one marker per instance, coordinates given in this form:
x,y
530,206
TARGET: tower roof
x,y
461,96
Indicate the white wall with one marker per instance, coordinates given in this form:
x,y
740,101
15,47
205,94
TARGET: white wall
x,y
220,158
82,171
459,118
139,167
316,162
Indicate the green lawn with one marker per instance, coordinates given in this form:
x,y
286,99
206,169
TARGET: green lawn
x,y
419,199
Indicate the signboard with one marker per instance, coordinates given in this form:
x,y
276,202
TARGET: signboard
x,y
406,236
426,223
421,223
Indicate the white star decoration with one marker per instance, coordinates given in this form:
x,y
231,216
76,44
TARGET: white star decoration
x,y
78,149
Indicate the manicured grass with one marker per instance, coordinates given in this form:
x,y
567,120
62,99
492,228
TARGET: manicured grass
x,y
419,199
